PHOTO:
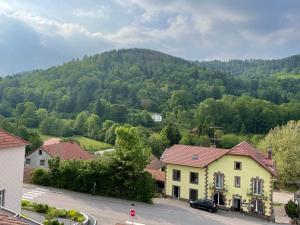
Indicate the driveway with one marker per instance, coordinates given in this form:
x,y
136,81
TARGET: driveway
x,y
109,211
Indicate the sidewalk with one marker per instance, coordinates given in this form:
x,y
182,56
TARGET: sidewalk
x,y
280,215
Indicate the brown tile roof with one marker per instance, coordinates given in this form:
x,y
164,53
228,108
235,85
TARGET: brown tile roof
x,y
154,163
157,175
8,220
67,151
8,140
195,156
245,149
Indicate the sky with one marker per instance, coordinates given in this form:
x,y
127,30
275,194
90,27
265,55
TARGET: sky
x,y
38,34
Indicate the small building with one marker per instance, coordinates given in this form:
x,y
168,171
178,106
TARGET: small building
x,y
240,179
64,150
8,217
12,152
156,117
155,168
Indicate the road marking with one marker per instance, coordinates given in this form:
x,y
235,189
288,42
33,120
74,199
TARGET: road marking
x,y
30,195
37,192
127,222
34,193
27,197
41,189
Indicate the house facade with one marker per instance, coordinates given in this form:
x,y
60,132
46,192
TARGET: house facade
x,y
240,178
12,152
64,150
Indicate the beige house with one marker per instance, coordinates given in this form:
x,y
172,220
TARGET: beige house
x,y
12,152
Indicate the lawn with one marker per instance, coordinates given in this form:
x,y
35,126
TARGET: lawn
x,y
91,144
87,143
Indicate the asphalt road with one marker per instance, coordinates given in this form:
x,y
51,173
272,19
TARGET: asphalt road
x,y
109,211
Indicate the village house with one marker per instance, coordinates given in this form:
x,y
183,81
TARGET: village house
x,y
64,150
239,179
12,152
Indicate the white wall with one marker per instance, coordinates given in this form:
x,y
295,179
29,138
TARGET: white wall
x,y
11,176
35,159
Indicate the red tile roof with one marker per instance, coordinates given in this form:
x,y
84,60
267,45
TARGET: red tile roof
x,y
245,149
196,156
157,175
7,220
67,151
8,140
154,163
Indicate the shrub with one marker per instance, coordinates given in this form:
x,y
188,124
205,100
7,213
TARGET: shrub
x,y
291,209
26,203
52,222
40,176
40,208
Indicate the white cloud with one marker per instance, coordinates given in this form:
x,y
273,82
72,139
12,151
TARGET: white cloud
x,y
100,12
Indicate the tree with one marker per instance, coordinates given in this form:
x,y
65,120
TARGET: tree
x,y
285,143
158,143
129,161
171,131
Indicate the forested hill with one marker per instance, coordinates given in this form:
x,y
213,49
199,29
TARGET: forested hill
x,y
256,67
91,95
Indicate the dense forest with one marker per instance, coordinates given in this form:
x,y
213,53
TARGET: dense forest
x,y
92,96
256,67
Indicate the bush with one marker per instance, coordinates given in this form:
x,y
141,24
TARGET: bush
x,y
26,203
40,208
52,222
291,209
40,176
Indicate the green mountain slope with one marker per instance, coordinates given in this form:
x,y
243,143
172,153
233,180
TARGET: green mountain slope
x,y
255,67
126,85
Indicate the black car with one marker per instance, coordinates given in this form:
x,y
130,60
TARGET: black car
x,y
206,204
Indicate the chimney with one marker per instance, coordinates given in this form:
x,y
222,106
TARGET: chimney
x,y
270,152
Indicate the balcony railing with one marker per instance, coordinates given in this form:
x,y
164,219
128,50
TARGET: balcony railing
x,y
261,196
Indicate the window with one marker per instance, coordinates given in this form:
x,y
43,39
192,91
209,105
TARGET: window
x,y
28,161
42,162
257,206
176,175
194,178
237,165
1,197
40,152
193,194
237,181
257,186
219,180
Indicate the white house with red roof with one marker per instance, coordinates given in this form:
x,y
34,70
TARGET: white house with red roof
x,y
12,152
64,150
240,178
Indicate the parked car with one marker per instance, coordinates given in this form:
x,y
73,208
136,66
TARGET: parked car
x,y
206,204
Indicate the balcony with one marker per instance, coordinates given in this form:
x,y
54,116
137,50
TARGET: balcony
x,y
259,196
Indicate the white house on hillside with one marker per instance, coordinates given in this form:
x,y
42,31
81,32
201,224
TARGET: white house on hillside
x,y
12,152
156,117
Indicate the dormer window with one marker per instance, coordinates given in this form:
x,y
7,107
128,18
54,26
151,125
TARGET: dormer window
x,y
195,157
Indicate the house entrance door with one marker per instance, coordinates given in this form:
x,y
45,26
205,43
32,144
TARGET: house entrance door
x,y
219,198
176,192
236,204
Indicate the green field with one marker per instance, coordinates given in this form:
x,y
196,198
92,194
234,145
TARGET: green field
x,y
87,143
282,76
91,144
